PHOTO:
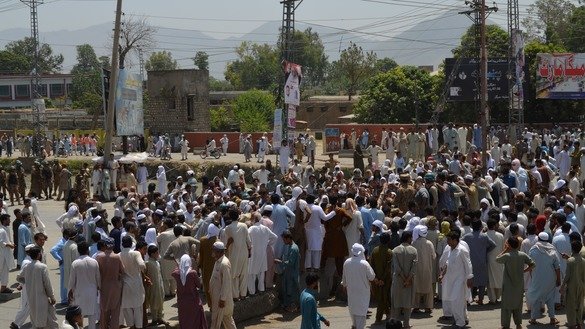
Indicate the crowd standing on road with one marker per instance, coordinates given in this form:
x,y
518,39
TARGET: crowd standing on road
x,y
424,226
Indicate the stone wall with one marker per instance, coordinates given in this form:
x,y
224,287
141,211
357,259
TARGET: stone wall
x,y
178,101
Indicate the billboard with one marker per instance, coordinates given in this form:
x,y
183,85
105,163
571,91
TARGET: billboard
x,y
560,76
465,86
129,109
332,142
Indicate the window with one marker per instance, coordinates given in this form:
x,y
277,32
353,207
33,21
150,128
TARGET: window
x,y
5,92
69,88
57,89
190,109
310,109
22,91
323,108
342,109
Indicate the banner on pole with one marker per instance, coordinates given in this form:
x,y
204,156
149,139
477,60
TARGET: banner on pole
x,y
129,106
277,132
293,75
292,117
560,76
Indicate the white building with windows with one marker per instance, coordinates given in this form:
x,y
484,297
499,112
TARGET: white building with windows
x,y
15,90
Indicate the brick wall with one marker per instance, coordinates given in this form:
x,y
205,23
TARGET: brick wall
x,y
178,101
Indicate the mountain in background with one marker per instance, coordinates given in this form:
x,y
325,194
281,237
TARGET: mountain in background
x,y
426,43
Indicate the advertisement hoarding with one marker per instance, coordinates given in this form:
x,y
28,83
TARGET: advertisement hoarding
x,y
560,76
129,108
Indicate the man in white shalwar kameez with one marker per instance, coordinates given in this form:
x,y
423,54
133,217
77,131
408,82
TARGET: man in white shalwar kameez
x,y
184,144
161,177
39,291
84,284
24,310
262,145
261,237
357,275
462,135
456,280
314,231
6,255
224,141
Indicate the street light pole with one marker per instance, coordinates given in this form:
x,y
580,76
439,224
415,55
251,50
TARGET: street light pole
x,y
110,115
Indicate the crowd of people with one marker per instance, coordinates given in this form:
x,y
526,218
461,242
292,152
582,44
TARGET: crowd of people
x,y
405,236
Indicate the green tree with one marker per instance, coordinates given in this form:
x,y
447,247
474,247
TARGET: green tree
x,y
25,49
220,118
201,60
391,97
385,64
575,40
219,85
257,67
497,43
548,20
13,63
105,62
309,52
160,61
91,102
254,110
87,80
355,67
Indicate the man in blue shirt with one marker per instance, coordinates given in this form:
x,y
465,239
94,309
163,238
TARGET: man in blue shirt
x,y
367,218
57,253
24,236
311,318
289,266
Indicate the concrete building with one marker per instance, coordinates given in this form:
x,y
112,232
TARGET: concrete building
x,y
319,111
178,101
15,89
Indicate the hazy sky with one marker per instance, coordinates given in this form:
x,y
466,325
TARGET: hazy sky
x,y
222,18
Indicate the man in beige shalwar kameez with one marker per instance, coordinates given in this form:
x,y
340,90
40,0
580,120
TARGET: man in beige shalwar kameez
x,y
220,287
41,299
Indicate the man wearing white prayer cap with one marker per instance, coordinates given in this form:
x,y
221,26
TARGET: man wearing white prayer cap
x,y
220,287
423,280
357,277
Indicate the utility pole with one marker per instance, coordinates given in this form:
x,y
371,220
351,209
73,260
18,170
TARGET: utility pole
x,y
37,102
480,11
110,115
483,96
515,83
